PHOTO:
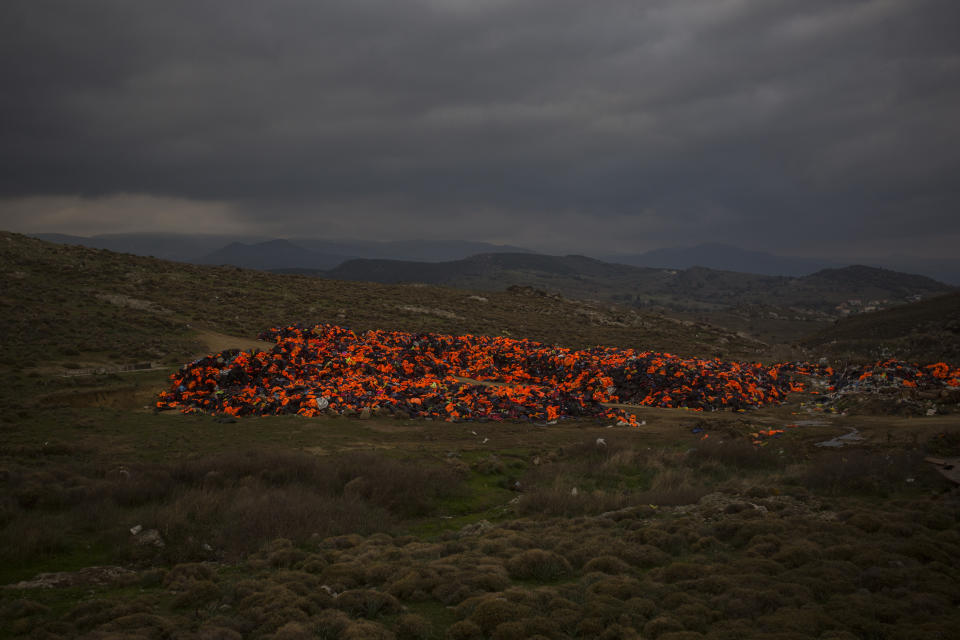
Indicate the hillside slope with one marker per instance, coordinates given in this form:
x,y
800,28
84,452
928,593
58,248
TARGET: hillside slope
x,y
71,304
272,254
925,331
723,257
830,291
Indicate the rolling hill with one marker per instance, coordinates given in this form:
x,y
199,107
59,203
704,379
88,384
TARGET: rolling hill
x,y
828,292
726,257
118,521
66,304
256,252
924,331
723,257
181,247
272,254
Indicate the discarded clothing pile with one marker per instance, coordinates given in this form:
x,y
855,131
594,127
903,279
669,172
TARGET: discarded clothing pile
x,y
328,368
891,374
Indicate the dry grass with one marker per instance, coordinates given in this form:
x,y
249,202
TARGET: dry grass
x,y
221,506
271,542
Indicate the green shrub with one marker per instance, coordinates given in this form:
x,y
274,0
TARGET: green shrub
x,y
512,630
464,630
590,627
678,571
198,594
293,631
619,587
411,626
645,556
366,630
537,564
492,612
660,626
641,607
182,576
330,624
607,564
693,616
367,603
407,582
797,554
216,632
344,575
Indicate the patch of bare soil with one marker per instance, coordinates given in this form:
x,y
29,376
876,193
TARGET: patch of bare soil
x,y
386,427
133,303
111,398
216,342
88,577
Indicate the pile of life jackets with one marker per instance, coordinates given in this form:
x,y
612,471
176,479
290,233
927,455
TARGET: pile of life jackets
x,y
892,373
326,368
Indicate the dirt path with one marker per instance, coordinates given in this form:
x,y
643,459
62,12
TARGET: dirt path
x,y
215,342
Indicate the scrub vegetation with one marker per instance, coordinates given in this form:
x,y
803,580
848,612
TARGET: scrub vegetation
x,y
119,522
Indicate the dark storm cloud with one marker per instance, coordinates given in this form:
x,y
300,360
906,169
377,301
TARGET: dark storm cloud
x,y
666,122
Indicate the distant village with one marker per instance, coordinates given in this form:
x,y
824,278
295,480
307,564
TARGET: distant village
x,y
856,305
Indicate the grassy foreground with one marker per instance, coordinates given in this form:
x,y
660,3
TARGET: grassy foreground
x,y
344,528
187,526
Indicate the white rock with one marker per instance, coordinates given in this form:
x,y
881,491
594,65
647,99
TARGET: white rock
x,y
152,537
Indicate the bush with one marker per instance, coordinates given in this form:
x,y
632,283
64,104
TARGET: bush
x,y
182,576
679,571
645,556
464,630
366,630
660,626
617,587
197,594
866,472
293,631
329,624
738,454
367,603
408,581
537,564
561,502
619,632
513,630
607,564
492,612
411,626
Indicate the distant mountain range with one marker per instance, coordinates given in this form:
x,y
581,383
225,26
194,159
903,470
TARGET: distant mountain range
x,y
179,247
729,258
926,331
321,253
725,258
774,308
270,253
829,292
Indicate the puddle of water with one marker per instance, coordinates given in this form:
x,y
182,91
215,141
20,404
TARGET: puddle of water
x,y
812,423
853,435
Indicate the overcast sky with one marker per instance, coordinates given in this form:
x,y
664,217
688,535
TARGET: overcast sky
x,y
819,127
